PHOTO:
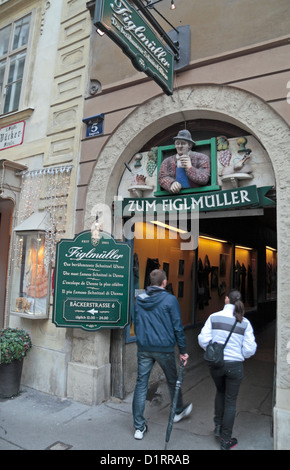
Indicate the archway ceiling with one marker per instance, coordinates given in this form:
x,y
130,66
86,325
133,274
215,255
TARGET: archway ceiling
x,y
199,128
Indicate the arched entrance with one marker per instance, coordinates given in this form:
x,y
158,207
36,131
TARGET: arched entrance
x,y
256,117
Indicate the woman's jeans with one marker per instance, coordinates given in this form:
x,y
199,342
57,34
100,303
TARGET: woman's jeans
x,y
146,361
227,380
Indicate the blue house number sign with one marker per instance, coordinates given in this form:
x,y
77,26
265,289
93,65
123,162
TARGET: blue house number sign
x,y
95,125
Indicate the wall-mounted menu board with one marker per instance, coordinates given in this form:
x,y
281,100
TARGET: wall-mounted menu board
x,y
91,283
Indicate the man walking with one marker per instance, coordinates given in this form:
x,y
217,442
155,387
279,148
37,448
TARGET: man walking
x,y
158,327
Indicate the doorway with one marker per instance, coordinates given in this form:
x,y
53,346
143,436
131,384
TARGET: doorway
x,y
6,212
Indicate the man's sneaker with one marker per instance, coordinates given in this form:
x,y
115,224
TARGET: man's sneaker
x,y
228,445
140,434
186,411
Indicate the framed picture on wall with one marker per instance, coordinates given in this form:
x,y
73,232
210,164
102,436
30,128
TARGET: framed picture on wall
x,y
165,268
214,277
180,289
181,267
223,265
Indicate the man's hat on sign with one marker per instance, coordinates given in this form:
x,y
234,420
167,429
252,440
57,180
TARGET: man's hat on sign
x,y
184,135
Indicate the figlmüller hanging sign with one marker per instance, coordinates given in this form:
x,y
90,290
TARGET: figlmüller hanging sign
x,y
91,282
124,25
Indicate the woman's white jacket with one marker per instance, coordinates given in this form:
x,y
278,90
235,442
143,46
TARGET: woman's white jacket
x,y
241,344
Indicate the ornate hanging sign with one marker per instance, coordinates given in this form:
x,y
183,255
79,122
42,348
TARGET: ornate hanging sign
x,y
91,283
125,26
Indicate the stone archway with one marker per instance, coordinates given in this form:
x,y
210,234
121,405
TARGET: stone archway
x,y
251,113
209,102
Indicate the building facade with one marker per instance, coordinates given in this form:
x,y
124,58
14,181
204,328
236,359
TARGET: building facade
x,y
43,80
231,96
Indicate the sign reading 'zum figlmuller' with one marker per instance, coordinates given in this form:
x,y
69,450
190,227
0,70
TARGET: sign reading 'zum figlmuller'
x,y
124,25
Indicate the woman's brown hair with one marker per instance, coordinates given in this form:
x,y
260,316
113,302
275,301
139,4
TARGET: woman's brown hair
x,y
235,298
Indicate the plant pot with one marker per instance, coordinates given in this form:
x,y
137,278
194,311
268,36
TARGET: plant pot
x,y
10,377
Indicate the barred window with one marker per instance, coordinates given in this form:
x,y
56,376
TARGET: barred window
x,y
13,50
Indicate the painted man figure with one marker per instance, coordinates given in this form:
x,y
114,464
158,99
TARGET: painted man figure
x,y
186,169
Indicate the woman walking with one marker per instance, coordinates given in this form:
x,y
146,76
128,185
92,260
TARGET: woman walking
x,y
228,378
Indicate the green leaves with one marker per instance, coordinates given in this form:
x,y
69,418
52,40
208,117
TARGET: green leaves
x,y
14,344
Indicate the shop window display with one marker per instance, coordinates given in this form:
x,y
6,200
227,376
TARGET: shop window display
x,y
41,224
271,273
30,282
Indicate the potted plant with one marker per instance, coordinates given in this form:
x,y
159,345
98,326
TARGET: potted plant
x,y
14,345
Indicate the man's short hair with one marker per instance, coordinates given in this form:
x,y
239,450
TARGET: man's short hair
x,y
157,277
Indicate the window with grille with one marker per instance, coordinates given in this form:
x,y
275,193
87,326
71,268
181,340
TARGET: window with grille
x,y
13,51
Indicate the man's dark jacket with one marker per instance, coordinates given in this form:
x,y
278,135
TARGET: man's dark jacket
x,y
157,322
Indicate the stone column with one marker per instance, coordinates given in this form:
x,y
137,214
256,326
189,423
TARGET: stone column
x,y
89,371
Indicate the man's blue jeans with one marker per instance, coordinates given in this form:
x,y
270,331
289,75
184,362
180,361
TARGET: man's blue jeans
x,y
146,361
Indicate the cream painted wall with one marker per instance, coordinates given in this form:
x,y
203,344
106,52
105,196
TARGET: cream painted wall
x,y
43,76
52,106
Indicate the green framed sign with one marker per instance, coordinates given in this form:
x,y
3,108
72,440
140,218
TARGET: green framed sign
x,y
128,29
204,146
91,283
